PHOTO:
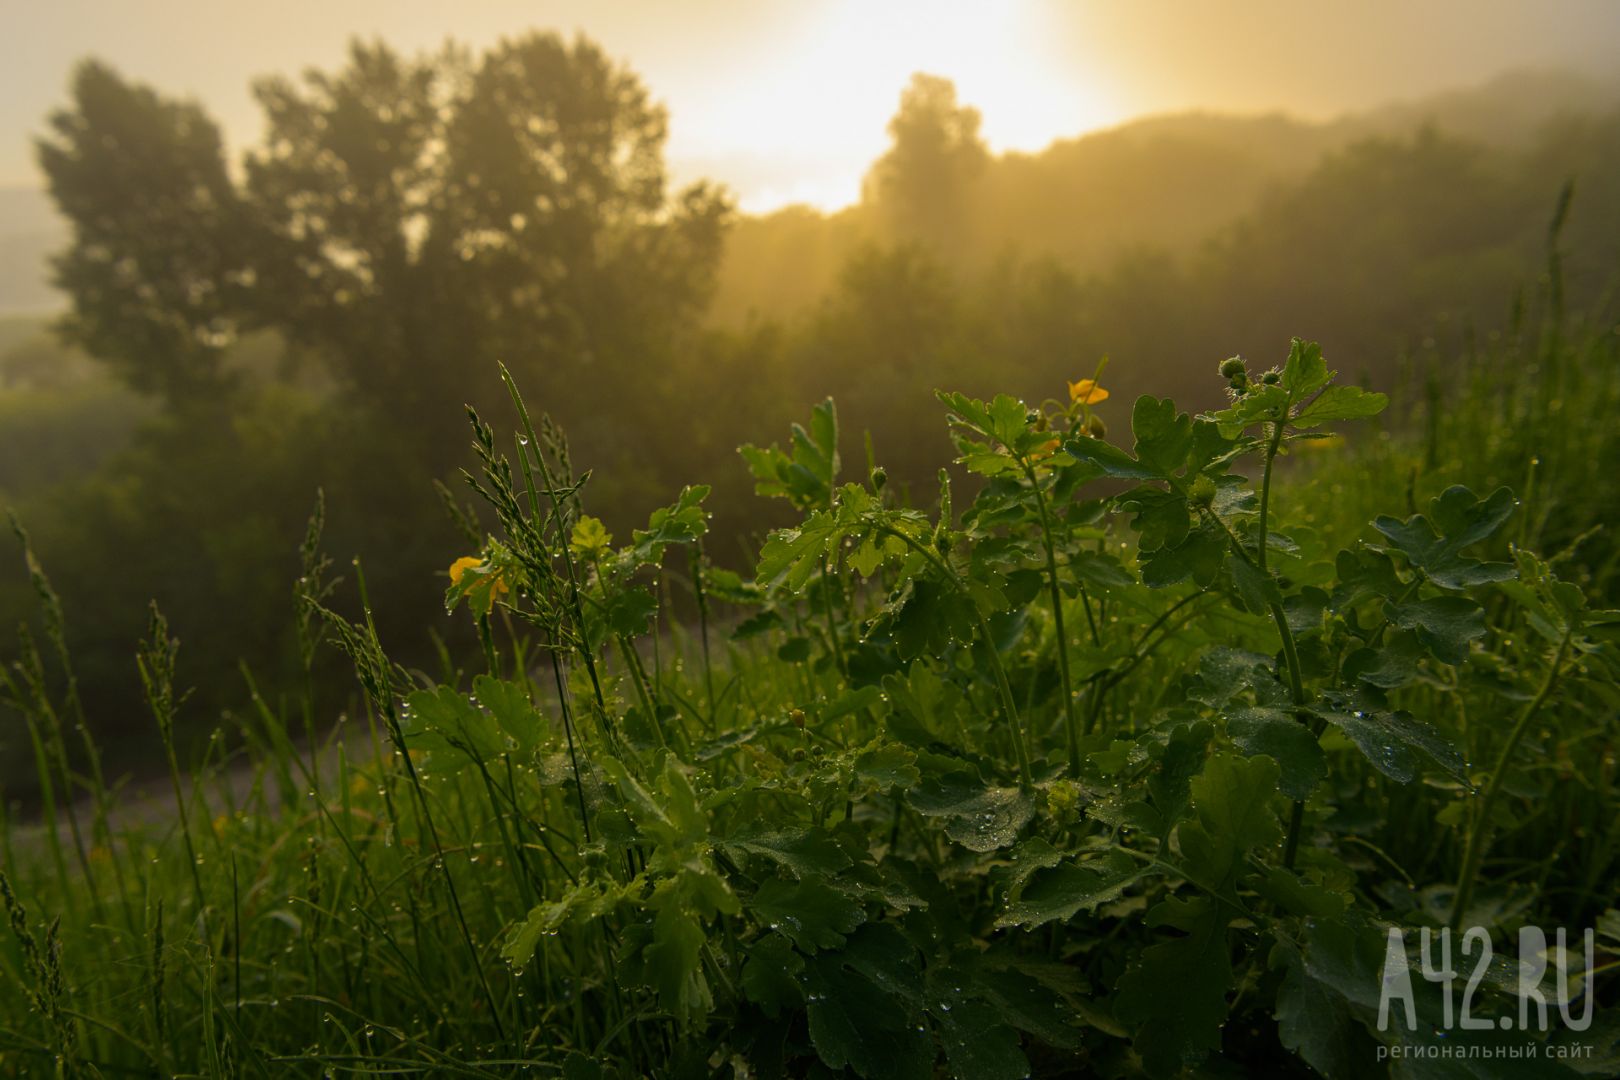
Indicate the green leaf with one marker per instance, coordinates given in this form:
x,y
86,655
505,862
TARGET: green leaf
x,y
1260,404
1305,372
1110,459
804,852
683,523
810,913
1099,570
769,975
791,556
1390,740
1232,801
671,964
1463,521
1173,998
867,558
1163,436
1200,555
930,618
1256,587
589,898
805,479
1183,757
886,766
1340,403
1064,890
855,1025
509,704
1162,517
1444,624
630,612
1289,892
1031,994
1315,1023
1285,740
978,1043
450,730
977,817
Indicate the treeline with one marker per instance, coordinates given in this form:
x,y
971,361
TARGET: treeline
x,y
317,317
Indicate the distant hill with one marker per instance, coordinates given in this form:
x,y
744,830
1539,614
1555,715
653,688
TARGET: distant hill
x,y
1161,183
1511,109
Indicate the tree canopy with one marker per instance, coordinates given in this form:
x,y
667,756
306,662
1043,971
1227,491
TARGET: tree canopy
x,y
405,221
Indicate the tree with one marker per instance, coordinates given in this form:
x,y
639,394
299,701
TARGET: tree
x,y
407,221
158,264
922,188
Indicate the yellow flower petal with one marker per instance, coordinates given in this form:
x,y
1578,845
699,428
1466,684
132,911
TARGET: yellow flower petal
x,y
1087,392
461,566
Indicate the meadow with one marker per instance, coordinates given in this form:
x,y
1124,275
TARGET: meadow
x,y
1122,758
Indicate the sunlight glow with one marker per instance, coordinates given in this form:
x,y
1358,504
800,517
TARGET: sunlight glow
x,y
821,110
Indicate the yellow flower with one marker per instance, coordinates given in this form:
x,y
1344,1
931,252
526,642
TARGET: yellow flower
x,y
1087,392
493,582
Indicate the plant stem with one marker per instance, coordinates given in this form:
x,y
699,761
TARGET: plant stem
x,y
1071,726
1265,491
1479,836
1026,778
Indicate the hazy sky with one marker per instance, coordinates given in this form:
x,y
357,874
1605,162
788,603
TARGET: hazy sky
x,y
788,101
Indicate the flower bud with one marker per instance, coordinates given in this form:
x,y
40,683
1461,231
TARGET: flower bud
x,y
1232,367
1096,428
1203,491
880,477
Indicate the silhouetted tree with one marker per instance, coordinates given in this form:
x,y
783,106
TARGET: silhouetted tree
x,y
159,260
923,187
408,221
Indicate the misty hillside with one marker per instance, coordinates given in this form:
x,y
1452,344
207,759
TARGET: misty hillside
x,y
1161,183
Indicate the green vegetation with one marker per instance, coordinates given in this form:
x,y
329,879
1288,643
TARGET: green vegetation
x,y
1123,764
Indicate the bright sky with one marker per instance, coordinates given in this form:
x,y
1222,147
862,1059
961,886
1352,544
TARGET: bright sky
x,y
787,102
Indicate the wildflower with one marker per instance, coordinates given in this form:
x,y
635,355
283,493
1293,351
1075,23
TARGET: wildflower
x,y
1087,392
488,584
